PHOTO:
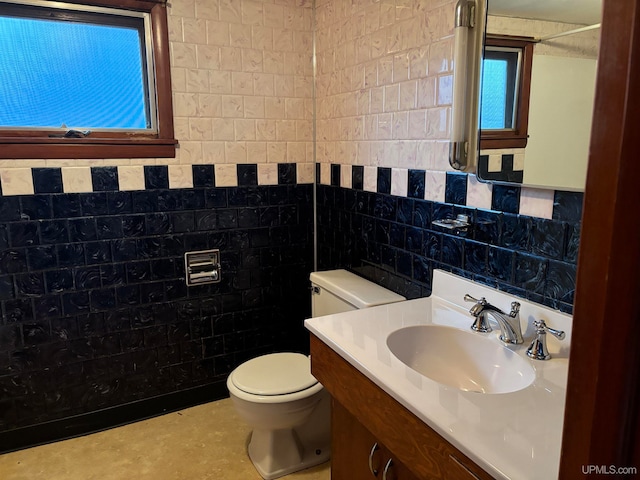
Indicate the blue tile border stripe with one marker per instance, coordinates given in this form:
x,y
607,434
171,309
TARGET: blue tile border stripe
x,y
567,205
46,180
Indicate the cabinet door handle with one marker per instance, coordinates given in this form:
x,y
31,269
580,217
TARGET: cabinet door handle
x,y
387,470
374,449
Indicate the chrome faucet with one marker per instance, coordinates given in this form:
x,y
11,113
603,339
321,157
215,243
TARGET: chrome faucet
x,y
509,323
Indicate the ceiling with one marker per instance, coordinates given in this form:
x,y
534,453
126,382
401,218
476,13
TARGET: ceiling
x,y
585,12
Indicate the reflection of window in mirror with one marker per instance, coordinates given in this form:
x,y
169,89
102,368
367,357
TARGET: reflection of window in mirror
x,y
506,78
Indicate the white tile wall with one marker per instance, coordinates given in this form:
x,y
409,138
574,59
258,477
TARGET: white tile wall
x,y
325,174
478,193
180,176
226,175
435,183
131,177
346,176
77,179
243,86
384,81
536,202
267,174
16,181
399,181
305,172
370,179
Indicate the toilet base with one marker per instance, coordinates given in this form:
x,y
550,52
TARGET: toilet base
x,y
275,453
278,452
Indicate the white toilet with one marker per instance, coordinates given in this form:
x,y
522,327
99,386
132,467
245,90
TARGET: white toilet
x,y
288,410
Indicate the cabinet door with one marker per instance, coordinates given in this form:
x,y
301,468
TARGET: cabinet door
x,y
356,452
351,445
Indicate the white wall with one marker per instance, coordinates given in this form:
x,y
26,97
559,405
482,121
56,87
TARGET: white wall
x,y
560,113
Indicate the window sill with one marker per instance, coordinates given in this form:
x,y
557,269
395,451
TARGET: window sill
x,y
505,142
12,147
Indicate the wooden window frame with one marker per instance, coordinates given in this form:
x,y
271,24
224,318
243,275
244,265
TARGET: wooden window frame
x,y
21,144
516,137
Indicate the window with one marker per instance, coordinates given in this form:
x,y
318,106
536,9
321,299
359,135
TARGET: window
x,y
83,81
506,78
499,96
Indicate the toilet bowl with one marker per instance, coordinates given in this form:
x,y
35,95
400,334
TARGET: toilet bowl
x,y
287,409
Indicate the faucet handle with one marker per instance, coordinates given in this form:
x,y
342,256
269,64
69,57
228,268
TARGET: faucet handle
x,y
538,348
541,327
469,298
480,323
479,304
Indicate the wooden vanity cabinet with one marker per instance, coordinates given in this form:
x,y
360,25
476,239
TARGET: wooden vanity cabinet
x,y
353,446
364,415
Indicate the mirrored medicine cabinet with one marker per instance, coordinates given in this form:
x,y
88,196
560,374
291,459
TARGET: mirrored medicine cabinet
x,y
537,86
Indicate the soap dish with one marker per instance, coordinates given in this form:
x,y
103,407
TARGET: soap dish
x,y
460,223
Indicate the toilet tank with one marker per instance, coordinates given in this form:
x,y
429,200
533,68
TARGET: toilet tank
x,y
335,291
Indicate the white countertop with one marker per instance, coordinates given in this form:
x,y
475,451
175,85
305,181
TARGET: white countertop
x,y
510,435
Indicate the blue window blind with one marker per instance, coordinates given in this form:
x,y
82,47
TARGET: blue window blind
x,y
500,77
494,93
70,74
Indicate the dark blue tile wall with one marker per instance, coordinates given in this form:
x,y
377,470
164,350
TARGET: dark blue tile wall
x,y
95,310
384,180
456,188
391,241
357,179
47,180
247,174
416,184
287,174
335,175
104,178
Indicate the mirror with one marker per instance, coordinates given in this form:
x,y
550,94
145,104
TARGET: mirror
x,y
553,152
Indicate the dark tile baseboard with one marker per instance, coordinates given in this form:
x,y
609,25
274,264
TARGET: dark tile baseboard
x,y
96,421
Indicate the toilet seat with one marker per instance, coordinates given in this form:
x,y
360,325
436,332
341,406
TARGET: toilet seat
x,y
274,374
274,378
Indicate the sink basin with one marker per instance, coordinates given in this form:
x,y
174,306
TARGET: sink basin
x,y
464,360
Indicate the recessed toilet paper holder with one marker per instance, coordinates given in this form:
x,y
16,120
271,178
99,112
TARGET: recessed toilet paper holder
x,y
202,267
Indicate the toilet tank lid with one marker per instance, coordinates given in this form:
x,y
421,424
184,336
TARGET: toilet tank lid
x,y
274,374
358,291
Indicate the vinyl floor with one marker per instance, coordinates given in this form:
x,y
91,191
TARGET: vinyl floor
x,y
206,442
